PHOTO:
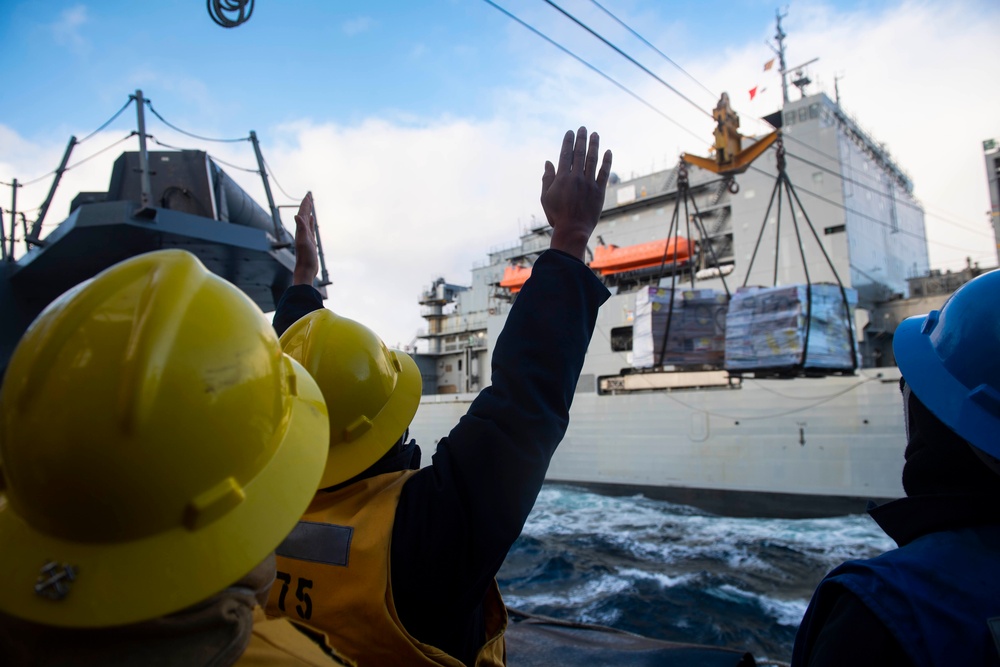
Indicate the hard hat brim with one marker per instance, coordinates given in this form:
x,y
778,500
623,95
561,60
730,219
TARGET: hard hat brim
x,y
128,582
947,398
348,459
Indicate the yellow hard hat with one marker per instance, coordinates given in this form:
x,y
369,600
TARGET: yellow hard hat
x,y
156,446
372,392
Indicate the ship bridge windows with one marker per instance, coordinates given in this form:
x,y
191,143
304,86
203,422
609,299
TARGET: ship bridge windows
x,y
621,339
789,118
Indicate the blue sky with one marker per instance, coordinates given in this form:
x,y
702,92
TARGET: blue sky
x,y
422,126
329,60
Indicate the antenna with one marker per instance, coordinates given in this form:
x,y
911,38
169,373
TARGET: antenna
x,y
802,79
836,88
779,38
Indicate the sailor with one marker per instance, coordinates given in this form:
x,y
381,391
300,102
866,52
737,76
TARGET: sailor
x,y
935,600
156,446
402,560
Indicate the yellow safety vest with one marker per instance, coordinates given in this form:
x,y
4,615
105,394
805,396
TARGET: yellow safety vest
x,y
333,574
277,642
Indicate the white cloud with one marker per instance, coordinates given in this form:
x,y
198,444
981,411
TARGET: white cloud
x,y
402,200
357,25
67,29
915,75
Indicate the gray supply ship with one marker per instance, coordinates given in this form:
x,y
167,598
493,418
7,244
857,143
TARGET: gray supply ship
x,y
727,437
751,444
745,443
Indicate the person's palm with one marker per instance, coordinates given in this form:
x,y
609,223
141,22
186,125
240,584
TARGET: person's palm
x,y
306,255
573,194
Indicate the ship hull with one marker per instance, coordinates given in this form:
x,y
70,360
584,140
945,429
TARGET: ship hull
x,y
801,447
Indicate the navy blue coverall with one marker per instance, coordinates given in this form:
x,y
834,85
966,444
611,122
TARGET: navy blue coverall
x,y
458,517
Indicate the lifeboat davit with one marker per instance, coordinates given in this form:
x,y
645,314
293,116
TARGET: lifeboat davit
x,y
611,259
514,277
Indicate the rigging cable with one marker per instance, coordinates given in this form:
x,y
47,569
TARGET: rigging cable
x,y
760,385
864,215
823,400
103,126
234,166
75,164
213,157
627,57
108,122
166,145
106,148
884,194
850,168
579,59
848,179
190,134
917,207
27,210
270,172
21,184
647,43
795,139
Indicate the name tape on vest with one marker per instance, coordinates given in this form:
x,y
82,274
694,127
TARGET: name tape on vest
x,y
324,543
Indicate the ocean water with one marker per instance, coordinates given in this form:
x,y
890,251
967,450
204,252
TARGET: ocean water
x,y
674,572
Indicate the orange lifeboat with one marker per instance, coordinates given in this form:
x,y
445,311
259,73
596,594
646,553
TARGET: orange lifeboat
x,y
611,259
514,277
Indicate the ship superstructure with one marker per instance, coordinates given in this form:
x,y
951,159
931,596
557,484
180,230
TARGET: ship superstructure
x,y
730,442
155,199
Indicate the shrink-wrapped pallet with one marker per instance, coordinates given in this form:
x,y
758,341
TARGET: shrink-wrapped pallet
x,y
766,329
697,333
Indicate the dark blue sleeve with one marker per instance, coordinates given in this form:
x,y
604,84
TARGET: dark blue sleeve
x,y
457,518
838,629
297,301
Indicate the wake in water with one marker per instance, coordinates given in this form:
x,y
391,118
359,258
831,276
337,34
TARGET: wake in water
x,y
676,573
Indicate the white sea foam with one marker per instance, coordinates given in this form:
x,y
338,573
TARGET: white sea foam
x,y
666,581
783,612
590,591
668,533
622,556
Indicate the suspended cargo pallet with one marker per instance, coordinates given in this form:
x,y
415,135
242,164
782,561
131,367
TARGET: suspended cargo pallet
x,y
791,330
693,335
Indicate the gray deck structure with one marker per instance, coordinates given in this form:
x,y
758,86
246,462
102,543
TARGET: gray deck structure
x,y
752,446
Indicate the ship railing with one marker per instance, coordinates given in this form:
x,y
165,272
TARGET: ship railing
x,y
878,150
467,325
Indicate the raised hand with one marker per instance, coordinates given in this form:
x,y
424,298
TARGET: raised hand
x,y
573,194
306,256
